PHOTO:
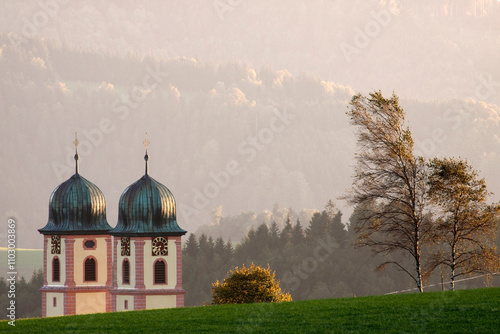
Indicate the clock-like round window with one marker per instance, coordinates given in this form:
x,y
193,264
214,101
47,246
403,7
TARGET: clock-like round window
x,y
159,246
55,244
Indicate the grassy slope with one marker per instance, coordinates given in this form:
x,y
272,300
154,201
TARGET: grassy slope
x,y
466,311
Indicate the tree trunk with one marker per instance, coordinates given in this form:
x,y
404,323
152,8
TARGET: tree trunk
x,y
452,274
453,260
452,281
419,278
417,260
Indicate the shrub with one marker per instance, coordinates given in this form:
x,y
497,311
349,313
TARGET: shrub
x,y
248,285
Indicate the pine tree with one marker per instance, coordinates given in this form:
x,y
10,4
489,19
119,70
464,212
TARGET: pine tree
x,y
318,227
191,246
336,228
274,235
219,248
286,233
297,234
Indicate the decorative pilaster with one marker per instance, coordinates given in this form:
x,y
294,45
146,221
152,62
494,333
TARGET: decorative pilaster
x,y
46,240
109,261
110,271
115,263
179,300
115,273
69,243
139,302
44,294
139,263
44,304
178,252
69,303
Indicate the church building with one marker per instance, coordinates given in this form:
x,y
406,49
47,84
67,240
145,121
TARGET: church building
x,y
90,267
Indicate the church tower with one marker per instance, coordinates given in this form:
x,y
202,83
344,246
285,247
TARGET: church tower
x,y
147,248
77,250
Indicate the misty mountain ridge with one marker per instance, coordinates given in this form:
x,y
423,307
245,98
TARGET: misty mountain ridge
x,y
432,49
236,119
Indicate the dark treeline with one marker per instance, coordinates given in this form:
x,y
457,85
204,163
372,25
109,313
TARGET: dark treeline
x,y
26,294
313,262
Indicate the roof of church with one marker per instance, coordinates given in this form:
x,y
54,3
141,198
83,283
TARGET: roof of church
x,y
147,208
77,206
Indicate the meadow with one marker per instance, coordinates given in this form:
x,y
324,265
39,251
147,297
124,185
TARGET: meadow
x,y
462,311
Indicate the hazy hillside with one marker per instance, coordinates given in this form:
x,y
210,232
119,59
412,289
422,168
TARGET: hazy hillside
x,y
244,106
284,138
425,49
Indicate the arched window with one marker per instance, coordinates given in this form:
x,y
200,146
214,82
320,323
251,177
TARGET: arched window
x,y
56,269
126,272
90,270
160,274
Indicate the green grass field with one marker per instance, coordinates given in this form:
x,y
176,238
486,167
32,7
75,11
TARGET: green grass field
x,y
463,311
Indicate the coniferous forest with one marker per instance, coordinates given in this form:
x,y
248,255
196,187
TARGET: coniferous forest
x,y
312,261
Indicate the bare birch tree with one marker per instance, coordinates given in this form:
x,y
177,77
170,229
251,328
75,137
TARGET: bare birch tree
x,y
389,180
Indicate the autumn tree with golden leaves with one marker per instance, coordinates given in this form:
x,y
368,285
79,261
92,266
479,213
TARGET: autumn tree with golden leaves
x,y
389,182
466,226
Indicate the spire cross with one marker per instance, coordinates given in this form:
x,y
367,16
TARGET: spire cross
x,y
146,157
76,142
146,142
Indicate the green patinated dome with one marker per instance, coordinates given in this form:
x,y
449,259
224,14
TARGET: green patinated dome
x,y
147,208
77,206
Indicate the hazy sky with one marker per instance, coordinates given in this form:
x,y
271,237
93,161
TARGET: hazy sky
x,y
425,51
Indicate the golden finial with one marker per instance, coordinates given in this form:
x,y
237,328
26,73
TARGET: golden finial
x,y
76,142
146,157
146,142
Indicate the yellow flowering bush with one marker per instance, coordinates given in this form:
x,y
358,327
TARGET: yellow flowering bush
x,y
248,285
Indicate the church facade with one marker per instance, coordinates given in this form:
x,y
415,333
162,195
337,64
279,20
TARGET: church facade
x,y
90,267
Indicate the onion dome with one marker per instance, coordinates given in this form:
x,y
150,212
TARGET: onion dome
x,y
147,208
77,206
